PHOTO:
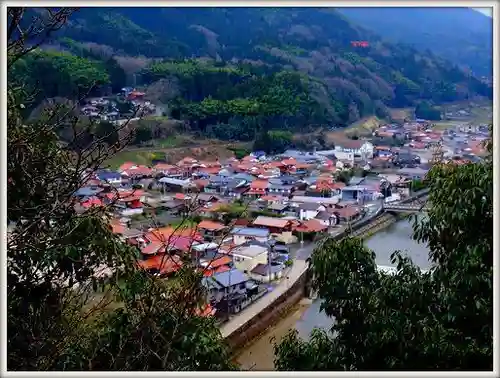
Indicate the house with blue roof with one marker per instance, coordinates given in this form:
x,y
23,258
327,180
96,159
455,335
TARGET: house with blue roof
x,y
232,288
244,234
111,177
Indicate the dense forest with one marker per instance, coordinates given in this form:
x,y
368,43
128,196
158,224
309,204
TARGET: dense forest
x,y
461,35
62,314
233,72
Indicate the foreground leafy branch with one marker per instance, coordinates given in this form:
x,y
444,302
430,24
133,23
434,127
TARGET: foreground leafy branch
x,y
438,320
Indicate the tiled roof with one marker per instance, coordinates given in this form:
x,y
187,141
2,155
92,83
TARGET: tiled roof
x,y
259,184
270,222
163,263
210,225
311,225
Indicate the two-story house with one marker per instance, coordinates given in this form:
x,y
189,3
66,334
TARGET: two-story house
x,y
247,257
357,147
244,234
224,284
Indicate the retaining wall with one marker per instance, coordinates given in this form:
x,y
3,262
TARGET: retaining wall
x,y
268,317
281,305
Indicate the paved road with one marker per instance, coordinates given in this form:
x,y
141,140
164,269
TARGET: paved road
x,y
299,266
248,313
299,255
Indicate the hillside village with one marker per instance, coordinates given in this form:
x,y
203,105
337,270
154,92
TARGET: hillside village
x,y
241,222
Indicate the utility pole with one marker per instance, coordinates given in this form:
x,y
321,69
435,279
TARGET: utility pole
x,y
270,251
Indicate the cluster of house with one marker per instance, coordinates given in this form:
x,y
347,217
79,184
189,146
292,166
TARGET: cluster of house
x,y
417,139
282,199
106,109
244,213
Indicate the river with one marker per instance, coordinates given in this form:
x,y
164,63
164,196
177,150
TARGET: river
x,y
306,316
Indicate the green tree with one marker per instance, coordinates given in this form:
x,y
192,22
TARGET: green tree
x,y
107,132
437,320
273,141
426,111
62,314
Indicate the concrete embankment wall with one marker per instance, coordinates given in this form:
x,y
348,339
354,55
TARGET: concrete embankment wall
x,y
281,305
270,316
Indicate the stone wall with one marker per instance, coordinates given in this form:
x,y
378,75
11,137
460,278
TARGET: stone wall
x,y
270,316
281,305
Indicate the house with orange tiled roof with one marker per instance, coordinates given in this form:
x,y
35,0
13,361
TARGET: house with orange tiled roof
x,y
125,166
126,202
163,264
166,170
137,171
309,226
218,264
258,188
274,225
210,229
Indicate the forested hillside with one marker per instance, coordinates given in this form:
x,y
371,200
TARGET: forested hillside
x,y
224,68
461,35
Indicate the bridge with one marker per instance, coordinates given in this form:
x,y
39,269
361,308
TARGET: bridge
x,y
406,207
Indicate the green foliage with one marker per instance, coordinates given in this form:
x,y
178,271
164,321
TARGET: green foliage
x,y
143,134
62,314
438,320
273,142
345,175
59,74
418,185
425,110
240,153
234,102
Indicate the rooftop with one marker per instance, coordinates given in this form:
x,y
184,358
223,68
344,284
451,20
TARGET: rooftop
x,y
250,231
270,222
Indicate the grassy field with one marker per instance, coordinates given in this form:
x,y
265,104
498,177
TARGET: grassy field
x,y
136,156
442,125
362,128
204,149
401,113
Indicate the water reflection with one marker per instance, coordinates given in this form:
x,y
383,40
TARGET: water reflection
x,y
259,355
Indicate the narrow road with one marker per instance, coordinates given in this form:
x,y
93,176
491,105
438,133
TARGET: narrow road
x,y
299,267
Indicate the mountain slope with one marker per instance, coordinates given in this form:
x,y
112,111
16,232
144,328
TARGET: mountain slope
x,y
461,35
304,53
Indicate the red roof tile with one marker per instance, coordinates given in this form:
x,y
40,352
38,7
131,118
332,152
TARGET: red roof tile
x,y
210,225
164,263
312,225
259,184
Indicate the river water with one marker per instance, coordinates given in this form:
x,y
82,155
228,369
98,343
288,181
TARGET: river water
x,y
306,316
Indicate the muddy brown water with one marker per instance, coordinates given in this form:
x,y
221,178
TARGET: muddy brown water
x,y
259,355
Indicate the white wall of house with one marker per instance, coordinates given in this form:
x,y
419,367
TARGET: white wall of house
x,y
309,214
218,295
129,212
116,181
274,276
240,239
246,263
346,156
367,150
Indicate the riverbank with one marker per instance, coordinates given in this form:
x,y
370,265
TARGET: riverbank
x,y
384,237
254,320
295,306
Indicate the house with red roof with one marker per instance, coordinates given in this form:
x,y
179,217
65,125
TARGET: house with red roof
x,y
258,188
133,170
166,169
210,229
162,264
